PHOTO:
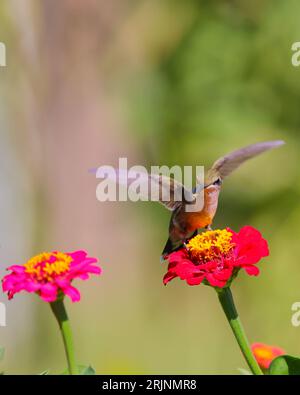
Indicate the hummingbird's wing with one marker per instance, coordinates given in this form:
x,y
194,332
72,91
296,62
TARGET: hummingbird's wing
x,y
171,192
228,163
151,187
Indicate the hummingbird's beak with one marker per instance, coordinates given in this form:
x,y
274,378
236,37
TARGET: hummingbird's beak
x,y
198,188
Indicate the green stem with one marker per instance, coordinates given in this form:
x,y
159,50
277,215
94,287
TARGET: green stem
x,y
227,303
60,313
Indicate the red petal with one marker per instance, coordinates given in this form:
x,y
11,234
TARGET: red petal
x,y
168,277
214,281
251,247
252,270
196,280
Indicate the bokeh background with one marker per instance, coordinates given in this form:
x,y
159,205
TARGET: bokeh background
x,y
159,82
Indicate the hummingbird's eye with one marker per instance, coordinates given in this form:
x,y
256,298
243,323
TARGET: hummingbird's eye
x,y
218,182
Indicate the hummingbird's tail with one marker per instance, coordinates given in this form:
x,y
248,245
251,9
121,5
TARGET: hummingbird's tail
x,y
174,246
169,247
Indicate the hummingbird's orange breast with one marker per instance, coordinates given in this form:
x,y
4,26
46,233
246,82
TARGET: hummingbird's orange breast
x,y
198,220
203,218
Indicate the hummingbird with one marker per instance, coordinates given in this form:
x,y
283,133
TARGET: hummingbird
x,y
185,224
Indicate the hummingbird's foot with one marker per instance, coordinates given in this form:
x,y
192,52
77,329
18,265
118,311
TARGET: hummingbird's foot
x,y
208,227
185,245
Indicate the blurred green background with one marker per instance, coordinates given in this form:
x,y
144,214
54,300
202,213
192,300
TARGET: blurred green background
x,y
159,82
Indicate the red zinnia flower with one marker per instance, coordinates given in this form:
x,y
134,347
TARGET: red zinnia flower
x,y
265,354
214,257
50,275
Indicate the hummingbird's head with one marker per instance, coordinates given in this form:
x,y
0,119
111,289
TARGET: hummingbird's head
x,y
214,184
211,184
217,182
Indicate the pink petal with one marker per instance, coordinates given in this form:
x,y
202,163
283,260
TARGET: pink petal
x,y
84,276
14,278
62,282
31,286
21,286
48,292
93,269
73,293
78,255
8,283
82,266
16,269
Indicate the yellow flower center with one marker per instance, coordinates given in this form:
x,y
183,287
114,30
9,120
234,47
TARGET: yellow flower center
x,y
264,354
47,265
210,245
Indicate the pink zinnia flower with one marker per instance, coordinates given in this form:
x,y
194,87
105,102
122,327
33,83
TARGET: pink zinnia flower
x,y
50,275
215,257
